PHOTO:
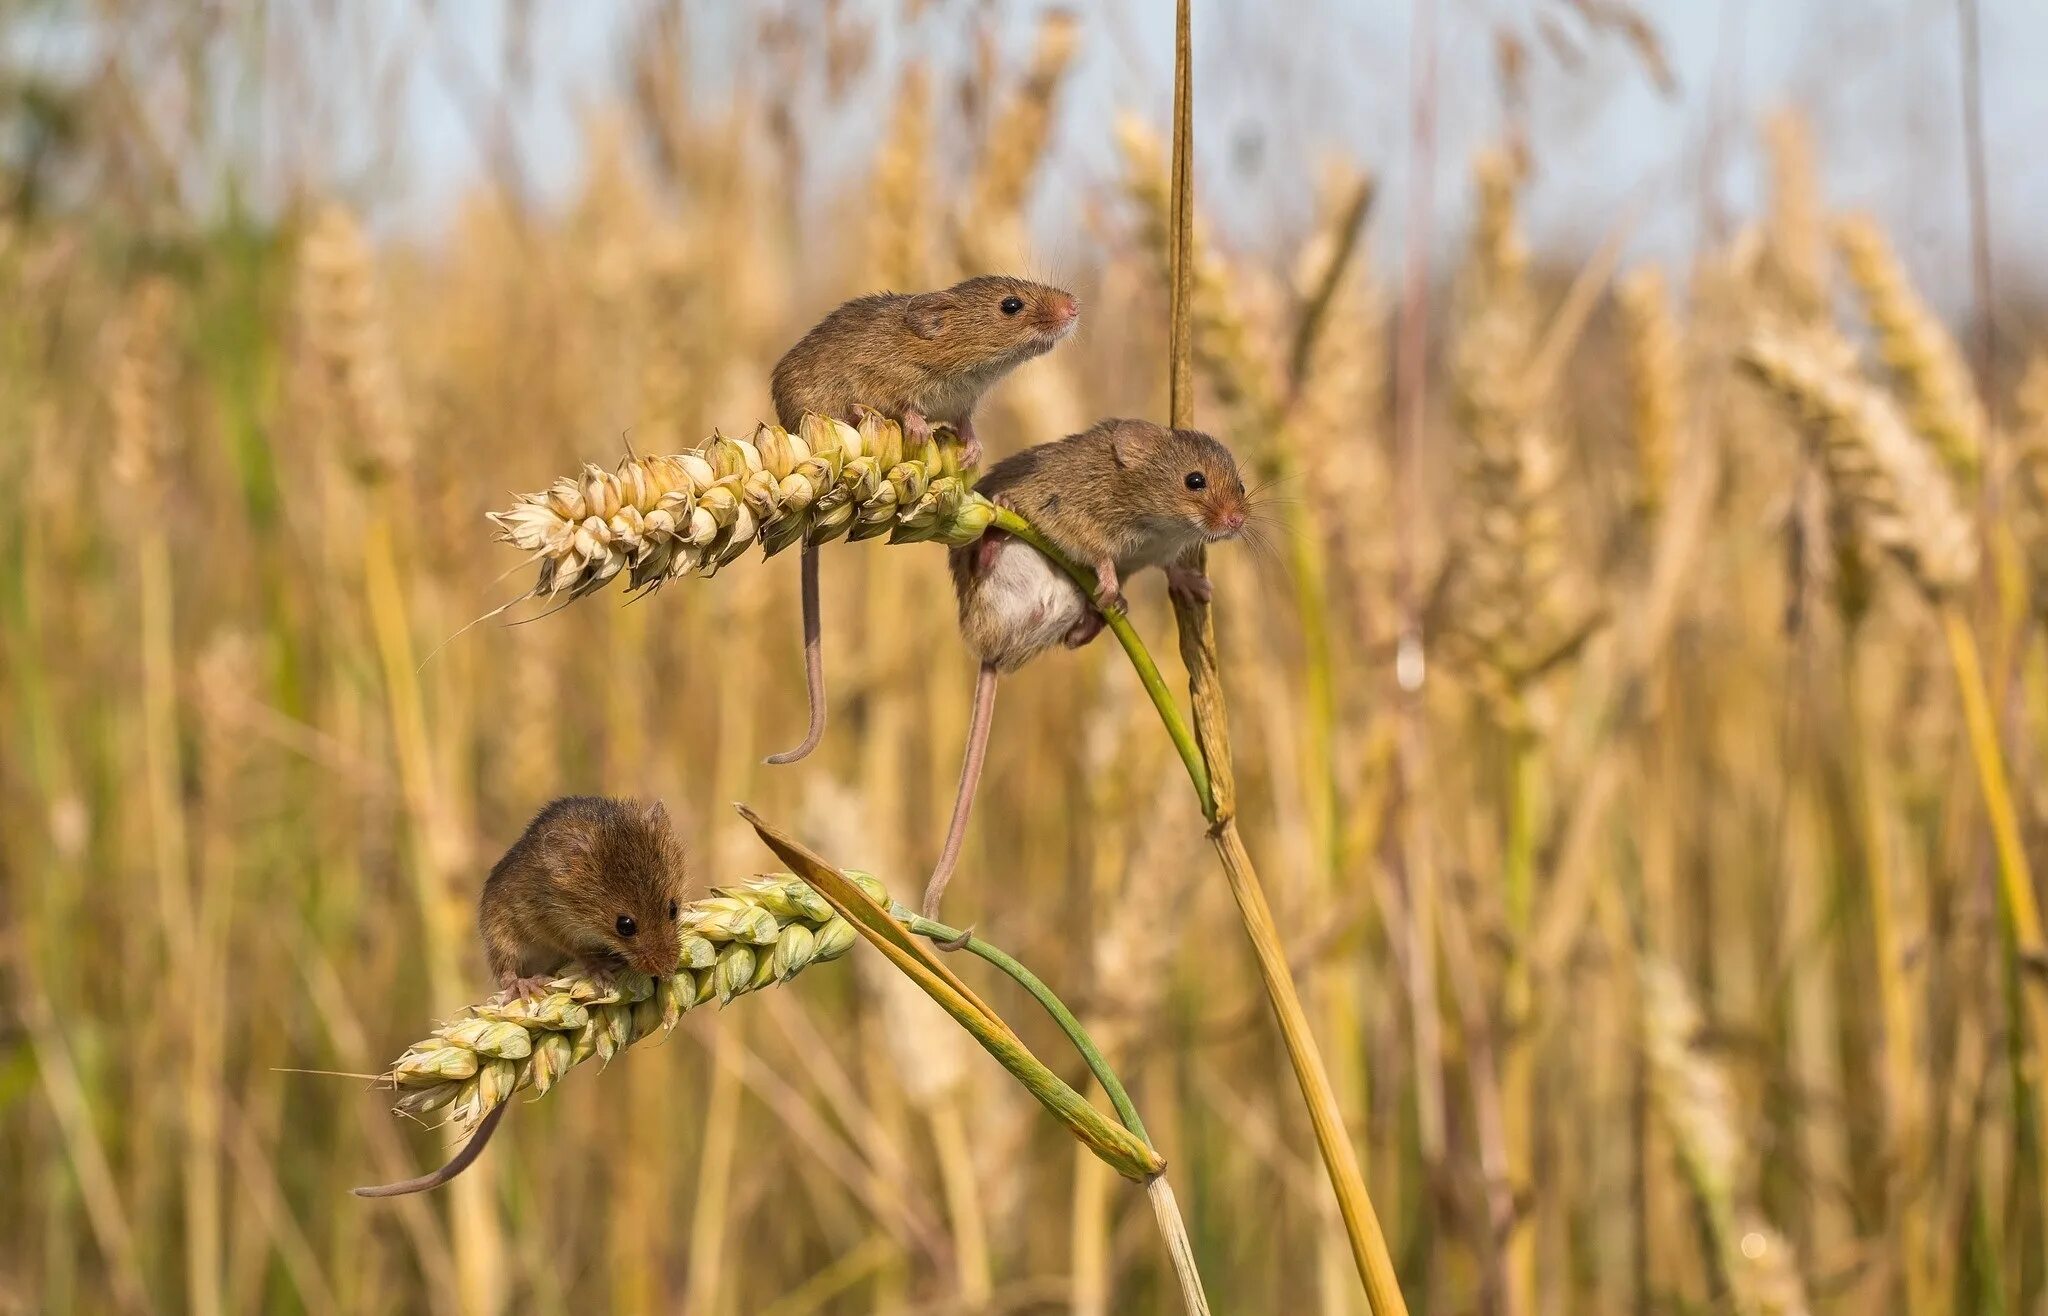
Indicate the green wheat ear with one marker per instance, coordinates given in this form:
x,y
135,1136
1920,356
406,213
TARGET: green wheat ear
x,y
657,518
735,941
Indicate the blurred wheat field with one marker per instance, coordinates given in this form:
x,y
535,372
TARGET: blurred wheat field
x,y
1668,927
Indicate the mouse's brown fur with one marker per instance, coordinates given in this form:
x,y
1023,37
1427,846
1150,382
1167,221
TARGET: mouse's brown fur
x,y
1120,497
1114,498
924,358
586,870
557,897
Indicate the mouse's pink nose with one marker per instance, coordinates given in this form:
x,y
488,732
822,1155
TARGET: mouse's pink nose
x,y
1232,522
1069,307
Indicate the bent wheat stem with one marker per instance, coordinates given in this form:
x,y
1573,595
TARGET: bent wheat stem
x,y
1124,1149
1061,1015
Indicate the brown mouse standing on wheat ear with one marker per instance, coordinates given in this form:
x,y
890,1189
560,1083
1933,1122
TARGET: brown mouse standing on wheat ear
x,y
923,358
1123,496
593,882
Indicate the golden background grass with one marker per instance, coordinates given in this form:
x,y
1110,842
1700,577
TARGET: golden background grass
x,y
1656,940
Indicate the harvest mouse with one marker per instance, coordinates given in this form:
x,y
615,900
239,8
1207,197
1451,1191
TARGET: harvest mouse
x,y
1123,496
924,358
592,881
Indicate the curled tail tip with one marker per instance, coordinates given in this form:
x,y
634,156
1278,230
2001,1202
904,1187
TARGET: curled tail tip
x,y
801,752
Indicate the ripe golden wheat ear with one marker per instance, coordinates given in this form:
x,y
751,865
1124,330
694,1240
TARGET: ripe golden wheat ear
x,y
1902,499
656,518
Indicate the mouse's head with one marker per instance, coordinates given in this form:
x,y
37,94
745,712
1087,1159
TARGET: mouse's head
x,y
1184,474
633,893
992,319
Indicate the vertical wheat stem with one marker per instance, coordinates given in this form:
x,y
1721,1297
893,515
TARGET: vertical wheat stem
x,y
2016,881
1904,1194
1198,649
478,1245
1518,1060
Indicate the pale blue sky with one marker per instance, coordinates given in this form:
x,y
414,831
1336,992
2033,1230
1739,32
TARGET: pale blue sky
x,y
400,86
1300,78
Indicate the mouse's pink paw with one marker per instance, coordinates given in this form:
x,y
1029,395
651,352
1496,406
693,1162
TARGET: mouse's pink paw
x,y
603,975
528,987
1109,591
1190,584
1084,630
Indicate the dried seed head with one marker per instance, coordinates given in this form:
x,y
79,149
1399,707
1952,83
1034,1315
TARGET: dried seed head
x,y
140,383
346,333
1656,376
1017,141
1940,399
1518,601
899,235
1795,255
1698,1106
657,518
1902,500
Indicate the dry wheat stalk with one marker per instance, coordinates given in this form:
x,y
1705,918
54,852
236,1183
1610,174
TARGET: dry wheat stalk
x,y
657,518
735,941
1940,399
1902,500
2030,457
1697,1104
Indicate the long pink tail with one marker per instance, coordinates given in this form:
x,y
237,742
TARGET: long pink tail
x,y
814,661
456,1165
970,777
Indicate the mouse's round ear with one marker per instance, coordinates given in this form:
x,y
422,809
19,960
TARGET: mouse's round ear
x,y
1132,441
926,316
655,812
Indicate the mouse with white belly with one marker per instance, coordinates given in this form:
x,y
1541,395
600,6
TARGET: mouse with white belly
x,y
1118,498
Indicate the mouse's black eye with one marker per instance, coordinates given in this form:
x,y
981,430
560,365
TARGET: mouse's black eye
x,y
626,926
1196,480
1012,305
674,909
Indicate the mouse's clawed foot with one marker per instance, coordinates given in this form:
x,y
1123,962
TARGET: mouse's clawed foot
x,y
603,975
1190,584
970,443
524,987
1084,630
1109,594
916,426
